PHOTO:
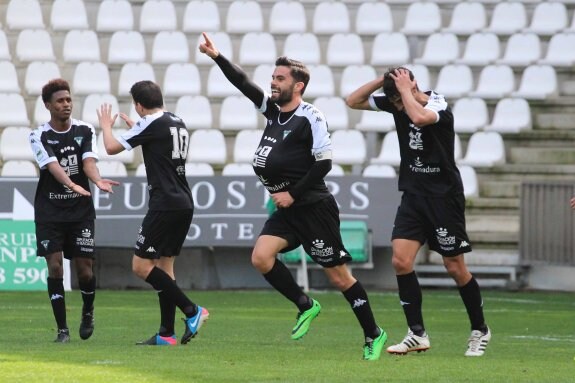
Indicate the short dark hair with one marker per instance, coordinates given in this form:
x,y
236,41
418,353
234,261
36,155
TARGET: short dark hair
x,y
298,70
148,94
52,87
389,87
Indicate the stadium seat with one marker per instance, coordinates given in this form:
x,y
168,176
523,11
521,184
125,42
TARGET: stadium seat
x,y
38,73
321,82
68,14
92,102
335,112
157,16
4,48
13,110
199,169
512,115
287,17
207,145
132,73
24,14
571,27
439,49
484,149
9,78
330,17
170,47
234,169
421,74
538,82
14,168
470,114
112,168
373,18
34,45
201,16
41,114
389,153
224,43
125,157
495,81
218,85
348,147
354,76
125,47
390,49
196,111
379,171
336,171
140,170
303,47
548,19
244,16
470,182
507,18
345,49
81,45
467,18
257,48
114,15
245,145
456,89
522,49
457,151
262,76
238,113
91,77
481,49
371,121
14,142
181,79
422,18
560,52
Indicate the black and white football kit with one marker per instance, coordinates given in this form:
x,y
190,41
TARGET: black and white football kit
x,y
290,157
164,140
432,207
64,219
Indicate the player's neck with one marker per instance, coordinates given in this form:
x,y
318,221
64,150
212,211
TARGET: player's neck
x,y
60,125
147,112
290,106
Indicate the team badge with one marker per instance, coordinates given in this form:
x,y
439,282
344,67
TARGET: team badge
x,y
286,132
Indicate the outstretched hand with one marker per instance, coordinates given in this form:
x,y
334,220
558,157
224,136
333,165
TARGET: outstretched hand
x,y
106,185
105,118
127,119
208,47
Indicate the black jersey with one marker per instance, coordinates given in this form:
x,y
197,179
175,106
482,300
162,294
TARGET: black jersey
x,y
164,140
290,144
55,202
427,153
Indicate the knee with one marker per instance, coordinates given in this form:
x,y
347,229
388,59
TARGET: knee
x,y
401,265
140,270
55,271
262,261
341,280
458,272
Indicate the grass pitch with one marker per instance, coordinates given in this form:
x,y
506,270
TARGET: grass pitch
x,y
247,339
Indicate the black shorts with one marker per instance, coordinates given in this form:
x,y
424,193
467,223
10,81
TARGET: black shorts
x,y
314,226
438,221
75,239
163,233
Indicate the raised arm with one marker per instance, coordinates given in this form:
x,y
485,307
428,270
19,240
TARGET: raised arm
x,y
359,98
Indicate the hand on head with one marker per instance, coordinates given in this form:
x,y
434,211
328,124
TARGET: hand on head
x,y
402,80
208,47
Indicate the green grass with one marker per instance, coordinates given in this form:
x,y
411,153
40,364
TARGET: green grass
x,y
247,339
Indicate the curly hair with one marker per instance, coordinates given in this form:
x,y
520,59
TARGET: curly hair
x,y
52,87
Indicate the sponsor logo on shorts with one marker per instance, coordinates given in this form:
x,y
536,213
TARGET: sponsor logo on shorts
x,y
151,249
319,250
85,240
87,249
446,241
86,233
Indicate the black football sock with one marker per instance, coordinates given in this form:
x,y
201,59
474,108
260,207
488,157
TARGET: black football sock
x,y
88,290
471,296
58,300
161,281
282,280
357,298
167,314
411,301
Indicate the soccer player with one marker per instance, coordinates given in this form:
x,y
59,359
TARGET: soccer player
x,y
164,141
291,161
432,207
65,150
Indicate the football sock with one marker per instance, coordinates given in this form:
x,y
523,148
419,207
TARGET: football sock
x,y
411,301
88,290
167,314
161,281
57,299
471,296
282,280
357,298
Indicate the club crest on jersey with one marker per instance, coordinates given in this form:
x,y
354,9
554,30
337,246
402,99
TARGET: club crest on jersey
x,y
286,132
78,140
45,243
